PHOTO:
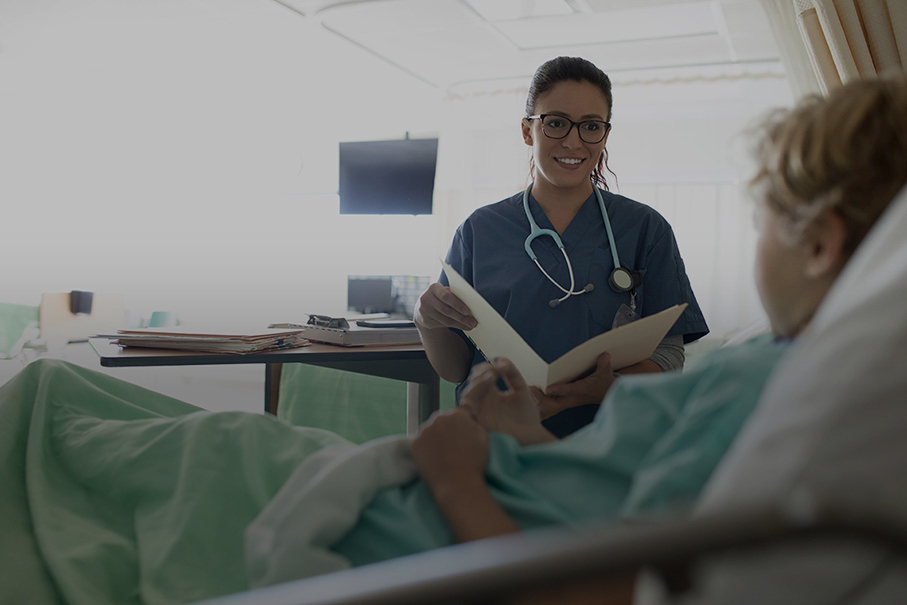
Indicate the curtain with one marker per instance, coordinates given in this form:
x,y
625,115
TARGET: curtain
x,y
782,17
851,39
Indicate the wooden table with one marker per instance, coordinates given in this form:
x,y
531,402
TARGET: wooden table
x,y
399,362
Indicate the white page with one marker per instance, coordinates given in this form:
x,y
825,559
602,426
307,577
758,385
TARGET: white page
x,y
495,337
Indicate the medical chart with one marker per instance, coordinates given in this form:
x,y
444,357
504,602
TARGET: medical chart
x,y
495,337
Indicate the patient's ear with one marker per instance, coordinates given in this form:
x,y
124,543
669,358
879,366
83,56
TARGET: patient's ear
x,y
826,255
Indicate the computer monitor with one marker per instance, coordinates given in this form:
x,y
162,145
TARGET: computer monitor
x,y
392,294
370,294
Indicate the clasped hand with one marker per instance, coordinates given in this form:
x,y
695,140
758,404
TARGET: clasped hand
x,y
455,442
451,449
512,409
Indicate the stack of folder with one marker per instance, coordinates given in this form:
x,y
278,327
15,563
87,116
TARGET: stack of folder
x,y
204,341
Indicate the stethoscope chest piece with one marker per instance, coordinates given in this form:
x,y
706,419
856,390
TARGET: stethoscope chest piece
x,y
621,280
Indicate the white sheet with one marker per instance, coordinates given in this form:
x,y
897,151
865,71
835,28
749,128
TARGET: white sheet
x,y
318,505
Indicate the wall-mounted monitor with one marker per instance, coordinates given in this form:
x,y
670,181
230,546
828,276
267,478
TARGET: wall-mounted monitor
x,y
388,177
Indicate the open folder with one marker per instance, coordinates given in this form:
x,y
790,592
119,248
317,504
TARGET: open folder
x,y
495,337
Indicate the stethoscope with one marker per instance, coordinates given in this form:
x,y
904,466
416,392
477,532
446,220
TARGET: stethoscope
x,y
621,280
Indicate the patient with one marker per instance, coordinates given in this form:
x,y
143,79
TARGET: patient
x,y
118,494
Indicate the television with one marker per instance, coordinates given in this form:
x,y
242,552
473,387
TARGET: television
x,y
388,177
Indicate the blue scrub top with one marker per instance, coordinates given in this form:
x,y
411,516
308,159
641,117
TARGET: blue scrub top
x,y
487,250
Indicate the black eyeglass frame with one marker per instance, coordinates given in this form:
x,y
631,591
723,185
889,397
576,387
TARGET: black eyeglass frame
x,y
541,118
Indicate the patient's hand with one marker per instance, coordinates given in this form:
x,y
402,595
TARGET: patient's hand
x,y
451,453
451,449
589,389
513,411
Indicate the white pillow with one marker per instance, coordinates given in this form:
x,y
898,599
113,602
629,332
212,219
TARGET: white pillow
x,y
834,416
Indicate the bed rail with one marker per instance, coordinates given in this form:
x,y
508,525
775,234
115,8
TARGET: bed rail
x,y
521,562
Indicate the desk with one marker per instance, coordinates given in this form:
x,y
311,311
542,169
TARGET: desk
x,y
399,362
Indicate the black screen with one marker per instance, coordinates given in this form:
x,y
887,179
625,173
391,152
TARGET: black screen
x,y
370,294
388,177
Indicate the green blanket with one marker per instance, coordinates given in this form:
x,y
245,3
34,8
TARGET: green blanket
x,y
115,494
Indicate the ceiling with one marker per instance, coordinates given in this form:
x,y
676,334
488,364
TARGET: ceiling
x,y
465,46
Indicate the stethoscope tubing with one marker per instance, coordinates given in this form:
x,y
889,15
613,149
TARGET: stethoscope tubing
x,y
620,280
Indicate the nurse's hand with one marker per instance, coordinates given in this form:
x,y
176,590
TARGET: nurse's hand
x,y
438,307
512,411
589,389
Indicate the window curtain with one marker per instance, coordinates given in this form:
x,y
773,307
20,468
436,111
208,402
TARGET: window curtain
x,y
851,39
782,16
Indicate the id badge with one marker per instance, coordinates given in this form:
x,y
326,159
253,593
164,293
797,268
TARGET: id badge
x,y
624,316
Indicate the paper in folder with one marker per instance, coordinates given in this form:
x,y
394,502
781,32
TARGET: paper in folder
x,y
495,337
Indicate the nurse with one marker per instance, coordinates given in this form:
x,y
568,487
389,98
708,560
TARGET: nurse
x,y
566,259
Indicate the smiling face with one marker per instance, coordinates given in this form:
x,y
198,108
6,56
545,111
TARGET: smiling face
x,y
563,167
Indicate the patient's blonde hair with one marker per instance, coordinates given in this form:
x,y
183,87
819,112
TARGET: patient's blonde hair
x,y
846,153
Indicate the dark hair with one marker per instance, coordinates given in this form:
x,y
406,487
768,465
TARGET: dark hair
x,y
574,69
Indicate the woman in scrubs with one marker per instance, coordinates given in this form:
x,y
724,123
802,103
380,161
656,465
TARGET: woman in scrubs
x,y
619,259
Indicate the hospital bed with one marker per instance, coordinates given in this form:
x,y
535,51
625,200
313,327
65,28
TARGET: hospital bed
x,y
511,568
821,466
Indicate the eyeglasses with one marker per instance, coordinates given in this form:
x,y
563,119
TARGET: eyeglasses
x,y
558,127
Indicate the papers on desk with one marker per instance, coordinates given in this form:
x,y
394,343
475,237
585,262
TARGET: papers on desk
x,y
207,341
495,337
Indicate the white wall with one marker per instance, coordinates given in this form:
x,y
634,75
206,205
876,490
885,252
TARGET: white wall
x,y
687,153
184,152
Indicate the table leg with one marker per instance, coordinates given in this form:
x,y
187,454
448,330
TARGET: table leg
x,y
422,400
272,387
